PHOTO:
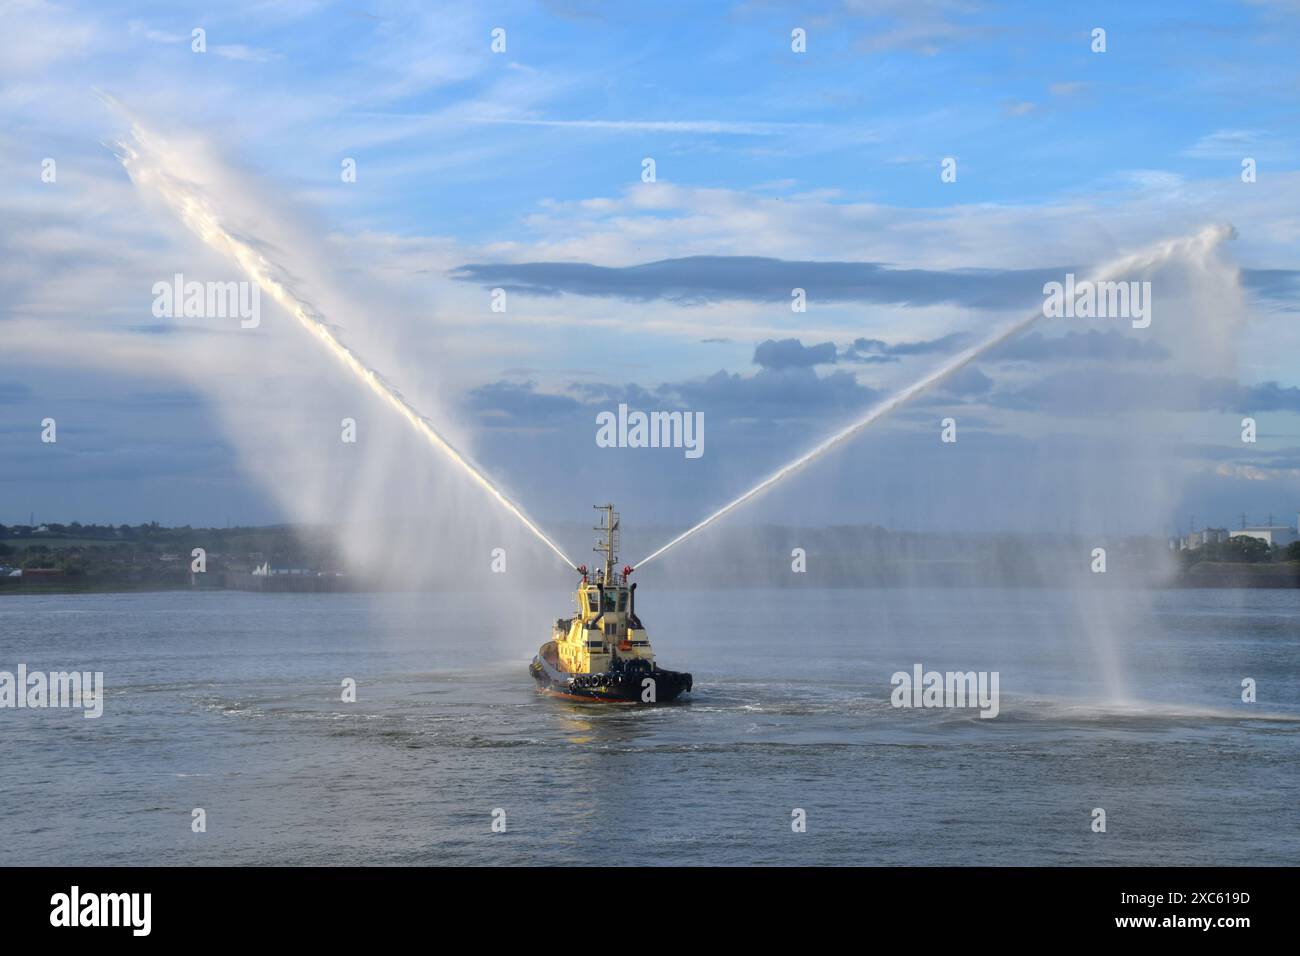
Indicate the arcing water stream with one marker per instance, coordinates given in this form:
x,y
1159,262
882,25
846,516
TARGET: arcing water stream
x,y
151,165
1197,246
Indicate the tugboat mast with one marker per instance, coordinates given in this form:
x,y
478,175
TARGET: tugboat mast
x,y
609,546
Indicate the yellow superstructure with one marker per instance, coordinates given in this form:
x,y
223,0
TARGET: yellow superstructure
x,y
605,628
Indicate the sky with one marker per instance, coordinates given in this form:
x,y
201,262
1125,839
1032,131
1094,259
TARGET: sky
x,y
524,169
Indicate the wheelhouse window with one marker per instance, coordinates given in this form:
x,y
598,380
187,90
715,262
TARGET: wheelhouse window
x,y
593,600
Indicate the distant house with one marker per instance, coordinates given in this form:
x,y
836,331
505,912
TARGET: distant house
x,y
1280,535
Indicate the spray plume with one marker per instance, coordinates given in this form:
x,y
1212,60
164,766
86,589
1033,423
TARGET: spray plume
x,y
151,165
1196,246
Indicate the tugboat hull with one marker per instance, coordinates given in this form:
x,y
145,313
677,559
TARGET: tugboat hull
x,y
652,685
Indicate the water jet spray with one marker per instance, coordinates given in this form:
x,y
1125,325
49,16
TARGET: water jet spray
x,y
151,165
1199,245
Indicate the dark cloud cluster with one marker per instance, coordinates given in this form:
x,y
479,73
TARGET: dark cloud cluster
x,y
797,392
703,279
792,393
1113,392
1278,285
788,386
1110,345
792,353
876,350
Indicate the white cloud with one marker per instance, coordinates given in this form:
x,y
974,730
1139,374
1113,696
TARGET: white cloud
x,y
243,53
1224,144
38,35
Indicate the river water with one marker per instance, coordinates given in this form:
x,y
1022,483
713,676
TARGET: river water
x,y
231,702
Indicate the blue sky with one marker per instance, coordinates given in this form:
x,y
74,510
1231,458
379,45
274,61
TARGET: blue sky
x,y
477,169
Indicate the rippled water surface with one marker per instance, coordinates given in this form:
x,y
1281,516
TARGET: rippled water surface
x,y
231,702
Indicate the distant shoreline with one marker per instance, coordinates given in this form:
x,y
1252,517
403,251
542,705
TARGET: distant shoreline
x,y
95,559
1203,576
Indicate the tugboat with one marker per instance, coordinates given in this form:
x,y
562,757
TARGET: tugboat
x,y
602,653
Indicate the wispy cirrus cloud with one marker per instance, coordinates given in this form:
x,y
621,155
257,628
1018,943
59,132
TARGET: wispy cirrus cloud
x,y
1224,143
725,127
231,51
